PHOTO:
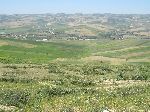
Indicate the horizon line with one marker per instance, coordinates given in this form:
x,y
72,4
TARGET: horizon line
x,y
72,13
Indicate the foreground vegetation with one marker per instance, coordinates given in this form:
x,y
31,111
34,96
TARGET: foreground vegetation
x,y
74,76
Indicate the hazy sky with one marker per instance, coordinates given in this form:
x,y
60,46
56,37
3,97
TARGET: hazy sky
x,y
74,6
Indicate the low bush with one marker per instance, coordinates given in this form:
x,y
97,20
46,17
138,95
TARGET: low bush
x,y
15,98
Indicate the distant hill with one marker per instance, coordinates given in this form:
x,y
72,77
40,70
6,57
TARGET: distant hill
x,y
74,26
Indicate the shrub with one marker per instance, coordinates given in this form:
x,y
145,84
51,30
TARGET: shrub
x,y
16,98
54,69
55,91
83,83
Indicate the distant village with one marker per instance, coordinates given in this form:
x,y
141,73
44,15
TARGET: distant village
x,y
59,35
103,25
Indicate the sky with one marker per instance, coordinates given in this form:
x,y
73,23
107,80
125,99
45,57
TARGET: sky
x,y
74,6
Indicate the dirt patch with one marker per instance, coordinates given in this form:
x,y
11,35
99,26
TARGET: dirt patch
x,y
26,45
7,108
135,54
114,61
139,60
17,44
130,48
2,43
124,49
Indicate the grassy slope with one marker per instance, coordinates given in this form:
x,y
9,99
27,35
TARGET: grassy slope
x,y
40,52
15,51
71,87
72,84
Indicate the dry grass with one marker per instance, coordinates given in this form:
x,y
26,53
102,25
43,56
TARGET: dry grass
x,y
135,54
26,45
17,44
113,61
24,71
124,49
139,60
3,43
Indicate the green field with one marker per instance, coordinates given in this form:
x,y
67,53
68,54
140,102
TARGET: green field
x,y
75,76
17,51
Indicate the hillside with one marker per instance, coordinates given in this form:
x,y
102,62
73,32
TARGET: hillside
x,y
74,75
129,50
41,27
